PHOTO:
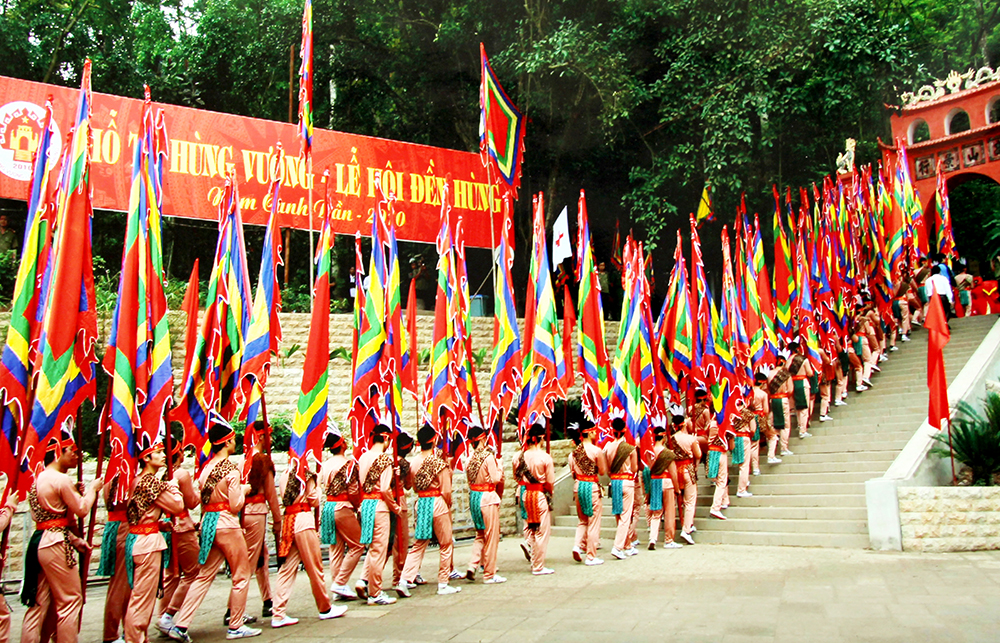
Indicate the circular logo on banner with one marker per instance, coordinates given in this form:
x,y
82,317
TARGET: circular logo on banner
x,y
21,125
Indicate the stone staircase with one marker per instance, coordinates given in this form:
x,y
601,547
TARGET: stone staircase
x,y
816,498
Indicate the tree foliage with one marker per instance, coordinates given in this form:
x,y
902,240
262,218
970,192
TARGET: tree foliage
x,y
640,102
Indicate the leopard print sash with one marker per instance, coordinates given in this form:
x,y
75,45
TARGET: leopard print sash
x,y
147,490
795,365
475,463
341,480
381,463
428,472
583,462
293,487
221,470
40,514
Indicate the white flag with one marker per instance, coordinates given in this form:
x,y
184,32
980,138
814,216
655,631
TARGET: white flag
x,y
561,247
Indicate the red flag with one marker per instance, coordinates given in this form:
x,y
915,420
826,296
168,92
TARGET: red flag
x,y
190,306
410,370
937,385
569,325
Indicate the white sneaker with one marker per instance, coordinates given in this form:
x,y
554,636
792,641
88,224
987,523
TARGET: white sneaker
x,y
905,338
544,571
717,514
787,452
344,593
361,589
774,460
619,554
687,537
635,543
693,529
756,472
632,551
593,561
444,589
381,599
243,632
335,611
672,545
402,590
284,621
840,403
166,623
497,578
876,368
744,494
867,383
577,554
805,435
454,575
825,418
860,388
883,357
893,349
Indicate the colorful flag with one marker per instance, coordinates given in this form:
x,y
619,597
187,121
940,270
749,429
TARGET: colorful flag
x,y
67,359
137,358
675,332
543,364
441,396
701,300
562,248
190,307
505,378
309,425
213,379
306,80
501,128
945,233
591,348
633,365
784,276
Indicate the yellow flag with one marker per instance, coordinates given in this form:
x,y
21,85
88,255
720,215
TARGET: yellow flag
x,y
705,205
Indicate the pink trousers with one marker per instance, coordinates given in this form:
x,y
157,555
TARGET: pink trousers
x,y
538,539
744,481
59,586
588,528
626,527
484,549
721,482
142,600
378,552
690,497
668,515
415,557
344,555
305,549
255,531
176,583
118,589
229,546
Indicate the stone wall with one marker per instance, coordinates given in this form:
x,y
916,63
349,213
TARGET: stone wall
x,y
937,519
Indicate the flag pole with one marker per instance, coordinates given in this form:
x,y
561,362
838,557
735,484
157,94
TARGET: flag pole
x,y
312,251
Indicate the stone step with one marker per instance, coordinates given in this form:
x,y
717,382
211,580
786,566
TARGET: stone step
x,y
781,477
795,489
852,541
874,468
839,456
762,499
706,525
788,513
847,446
819,437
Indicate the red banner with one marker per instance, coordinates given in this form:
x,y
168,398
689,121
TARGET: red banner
x,y
204,145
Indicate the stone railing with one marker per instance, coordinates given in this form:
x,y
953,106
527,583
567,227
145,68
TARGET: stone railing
x,y
909,504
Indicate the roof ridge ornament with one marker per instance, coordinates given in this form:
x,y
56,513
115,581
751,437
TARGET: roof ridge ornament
x,y
952,84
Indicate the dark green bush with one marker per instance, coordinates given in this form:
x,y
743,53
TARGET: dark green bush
x,y
975,439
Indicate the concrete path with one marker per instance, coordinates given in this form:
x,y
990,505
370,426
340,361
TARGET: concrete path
x,y
712,593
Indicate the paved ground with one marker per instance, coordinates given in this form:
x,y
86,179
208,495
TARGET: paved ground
x,y
717,593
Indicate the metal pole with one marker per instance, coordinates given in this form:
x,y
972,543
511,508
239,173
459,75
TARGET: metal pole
x,y
309,178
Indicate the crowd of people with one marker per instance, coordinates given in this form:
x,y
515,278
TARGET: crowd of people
x,y
351,505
